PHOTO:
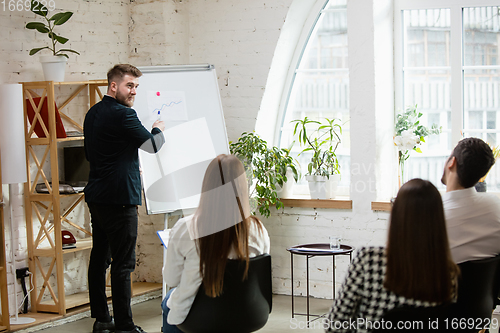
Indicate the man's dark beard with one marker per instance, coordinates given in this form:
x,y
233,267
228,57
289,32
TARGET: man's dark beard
x,y
123,99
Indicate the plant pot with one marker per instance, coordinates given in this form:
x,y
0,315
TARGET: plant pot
x,y
318,187
333,183
287,190
53,67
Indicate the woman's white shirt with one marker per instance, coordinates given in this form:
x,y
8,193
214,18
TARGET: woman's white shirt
x,y
182,269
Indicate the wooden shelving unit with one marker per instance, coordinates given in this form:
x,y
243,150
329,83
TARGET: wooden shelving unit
x,y
44,215
4,318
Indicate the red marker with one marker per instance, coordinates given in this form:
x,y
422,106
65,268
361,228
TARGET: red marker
x,y
157,93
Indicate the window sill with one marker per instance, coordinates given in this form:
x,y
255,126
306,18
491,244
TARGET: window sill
x,y
304,202
381,206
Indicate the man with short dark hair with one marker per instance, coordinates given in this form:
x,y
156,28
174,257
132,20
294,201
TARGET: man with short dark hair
x,y
113,135
472,219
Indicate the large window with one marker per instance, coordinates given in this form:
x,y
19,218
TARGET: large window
x,y
447,64
320,86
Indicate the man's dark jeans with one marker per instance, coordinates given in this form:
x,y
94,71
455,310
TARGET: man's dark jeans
x,y
114,235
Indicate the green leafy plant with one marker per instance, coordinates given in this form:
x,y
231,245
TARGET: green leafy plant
x,y
267,166
48,28
323,141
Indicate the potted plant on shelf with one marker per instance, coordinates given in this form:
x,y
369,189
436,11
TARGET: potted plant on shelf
x,y
266,170
323,170
53,65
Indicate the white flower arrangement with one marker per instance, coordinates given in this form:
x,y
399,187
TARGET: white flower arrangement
x,y
406,141
410,134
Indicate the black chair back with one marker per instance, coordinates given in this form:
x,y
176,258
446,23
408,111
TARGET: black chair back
x,y
244,306
478,288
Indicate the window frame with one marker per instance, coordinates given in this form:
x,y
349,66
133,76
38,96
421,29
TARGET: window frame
x,y
456,54
307,32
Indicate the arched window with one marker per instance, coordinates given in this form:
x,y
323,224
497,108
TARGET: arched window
x,y
319,86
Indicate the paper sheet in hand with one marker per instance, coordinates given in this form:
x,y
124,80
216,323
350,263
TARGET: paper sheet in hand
x,y
164,235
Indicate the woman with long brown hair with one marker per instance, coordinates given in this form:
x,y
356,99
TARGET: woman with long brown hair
x,y
414,269
221,228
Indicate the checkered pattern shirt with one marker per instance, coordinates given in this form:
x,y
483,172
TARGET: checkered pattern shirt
x,y
363,300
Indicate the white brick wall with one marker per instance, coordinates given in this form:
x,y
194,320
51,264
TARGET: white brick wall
x,y
294,226
149,251
159,33
239,38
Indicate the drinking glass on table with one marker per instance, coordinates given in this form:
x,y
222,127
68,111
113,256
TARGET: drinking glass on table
x,y
335,242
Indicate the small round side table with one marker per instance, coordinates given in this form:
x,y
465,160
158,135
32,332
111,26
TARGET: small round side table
x,y
311,251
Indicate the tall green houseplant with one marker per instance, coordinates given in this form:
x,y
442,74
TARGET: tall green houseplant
x,y
322,140
47,27
267,166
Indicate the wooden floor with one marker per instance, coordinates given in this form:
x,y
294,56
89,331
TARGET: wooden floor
x,y
148,315
138,289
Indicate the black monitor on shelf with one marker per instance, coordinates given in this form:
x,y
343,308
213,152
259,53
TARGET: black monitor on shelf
x,y
76,167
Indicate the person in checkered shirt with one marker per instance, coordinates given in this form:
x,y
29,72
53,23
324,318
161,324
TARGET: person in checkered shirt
x,y
415,268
